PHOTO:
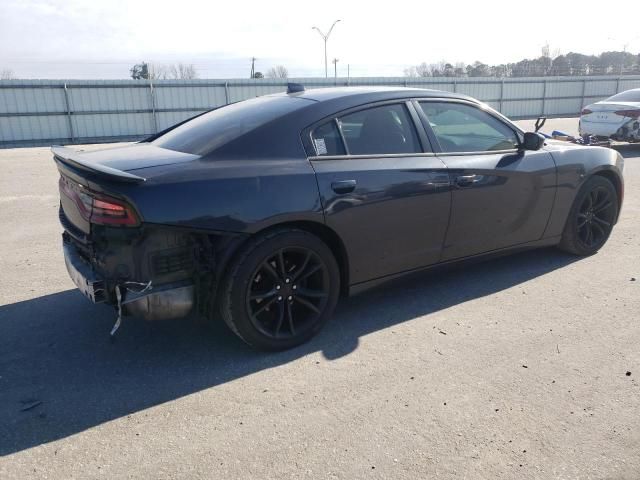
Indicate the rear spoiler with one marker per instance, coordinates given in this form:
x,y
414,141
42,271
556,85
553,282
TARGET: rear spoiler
x,y
73,159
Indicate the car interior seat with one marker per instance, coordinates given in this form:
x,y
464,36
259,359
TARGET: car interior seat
x,y
380,134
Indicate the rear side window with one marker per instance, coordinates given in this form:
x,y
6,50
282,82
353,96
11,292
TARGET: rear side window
x,y
380,130
205,133
327,141
463,128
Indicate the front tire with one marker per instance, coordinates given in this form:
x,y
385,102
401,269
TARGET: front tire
x,y
281,289
591,218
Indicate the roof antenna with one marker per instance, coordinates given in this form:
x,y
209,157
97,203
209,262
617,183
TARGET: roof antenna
x,y
295,87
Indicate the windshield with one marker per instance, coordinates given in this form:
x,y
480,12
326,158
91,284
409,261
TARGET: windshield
x,y
628,96
207,132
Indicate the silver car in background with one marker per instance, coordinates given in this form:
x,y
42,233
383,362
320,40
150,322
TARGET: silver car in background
x,y
617,117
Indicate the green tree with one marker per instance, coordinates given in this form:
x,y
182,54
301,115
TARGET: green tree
x,y
478,69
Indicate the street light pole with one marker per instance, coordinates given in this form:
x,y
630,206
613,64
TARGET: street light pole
x,y
325,38
325,56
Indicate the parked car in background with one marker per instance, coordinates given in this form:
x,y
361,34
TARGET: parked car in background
x,y
616,118
264,211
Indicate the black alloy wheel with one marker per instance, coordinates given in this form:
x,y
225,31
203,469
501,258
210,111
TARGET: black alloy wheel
x,y
592,216
595,217
288,292
281,289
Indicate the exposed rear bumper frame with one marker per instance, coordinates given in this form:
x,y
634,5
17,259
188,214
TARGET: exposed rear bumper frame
x,y
172,300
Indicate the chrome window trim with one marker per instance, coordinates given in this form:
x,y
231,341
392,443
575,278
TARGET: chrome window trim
x,y
336,118
369,157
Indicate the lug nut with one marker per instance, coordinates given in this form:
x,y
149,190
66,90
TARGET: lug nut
x,y
295,287
277,287
287,280
279,298
290,298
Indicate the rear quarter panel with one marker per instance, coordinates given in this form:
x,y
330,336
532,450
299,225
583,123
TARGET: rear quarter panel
x,y
236,196
575,165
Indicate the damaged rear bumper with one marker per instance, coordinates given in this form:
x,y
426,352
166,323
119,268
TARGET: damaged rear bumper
x,y
81,273
628,132
161,303
156,302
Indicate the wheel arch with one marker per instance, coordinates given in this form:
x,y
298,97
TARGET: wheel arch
x,y
331,239
320,230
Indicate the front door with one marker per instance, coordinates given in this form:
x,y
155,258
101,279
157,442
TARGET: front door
x,y
501,196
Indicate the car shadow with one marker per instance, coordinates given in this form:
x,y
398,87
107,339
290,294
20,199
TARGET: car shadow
x,y
60,375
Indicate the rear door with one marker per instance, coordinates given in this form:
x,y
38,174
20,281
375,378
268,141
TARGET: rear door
x,y
501,196
382,189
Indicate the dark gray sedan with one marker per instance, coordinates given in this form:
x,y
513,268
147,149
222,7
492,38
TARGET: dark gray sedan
x,y
263,212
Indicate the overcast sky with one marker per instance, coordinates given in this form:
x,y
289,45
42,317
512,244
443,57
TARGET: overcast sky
x,y
103,38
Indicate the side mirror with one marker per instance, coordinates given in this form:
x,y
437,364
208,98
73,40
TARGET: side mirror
x,y
532,141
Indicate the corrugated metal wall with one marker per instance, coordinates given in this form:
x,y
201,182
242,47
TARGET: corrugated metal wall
x,y
45,112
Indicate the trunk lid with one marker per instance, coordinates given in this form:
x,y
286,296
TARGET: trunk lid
x,y
113,161
85,173
604,112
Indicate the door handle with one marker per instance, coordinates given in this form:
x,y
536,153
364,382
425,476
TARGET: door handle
x,y
343,186
466,180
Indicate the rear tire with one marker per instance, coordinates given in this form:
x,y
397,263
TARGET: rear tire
x,y
591,217
281,289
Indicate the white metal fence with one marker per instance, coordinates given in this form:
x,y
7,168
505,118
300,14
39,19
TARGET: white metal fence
x,y
45,112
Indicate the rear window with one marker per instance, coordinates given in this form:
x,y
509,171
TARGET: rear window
x,y
207,132
628,96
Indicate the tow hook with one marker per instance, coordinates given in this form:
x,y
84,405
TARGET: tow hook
x,y
142,287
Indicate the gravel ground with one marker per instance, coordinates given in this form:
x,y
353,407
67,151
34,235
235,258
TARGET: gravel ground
x,y
523,367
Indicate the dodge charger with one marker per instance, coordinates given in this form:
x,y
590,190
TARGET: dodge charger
x,y
264,212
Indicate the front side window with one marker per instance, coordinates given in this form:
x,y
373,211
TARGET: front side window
x,y
387,129
463,128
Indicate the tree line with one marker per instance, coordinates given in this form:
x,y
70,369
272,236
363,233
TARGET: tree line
x,y
547,64
571,64
187,71
159,71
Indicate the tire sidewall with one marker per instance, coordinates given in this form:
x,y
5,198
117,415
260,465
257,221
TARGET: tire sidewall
x,y
571,240
240,276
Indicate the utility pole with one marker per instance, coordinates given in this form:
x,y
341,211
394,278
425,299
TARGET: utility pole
x,y
335,68
253,67
325,38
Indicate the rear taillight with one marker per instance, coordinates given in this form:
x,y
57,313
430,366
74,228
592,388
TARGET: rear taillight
x,y
98,208
111,211
628,113
585,111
